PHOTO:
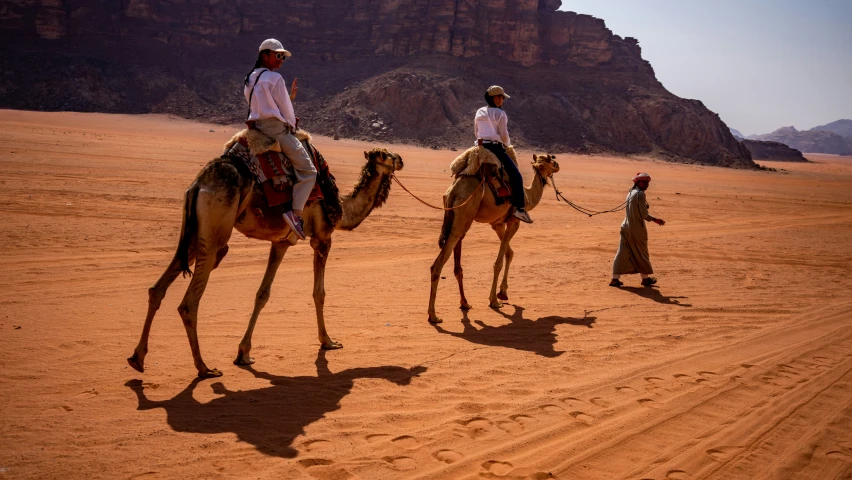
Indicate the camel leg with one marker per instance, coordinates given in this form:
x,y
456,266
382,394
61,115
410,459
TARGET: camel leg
x,y
216,217
321,249
459,272
155,297
511,229
276,255
500,230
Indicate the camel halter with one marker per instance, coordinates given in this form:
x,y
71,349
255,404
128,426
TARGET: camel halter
x,y
580,209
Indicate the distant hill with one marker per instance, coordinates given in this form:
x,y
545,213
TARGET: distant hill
x,y
775,151
411,71
811,141
840,127
736,133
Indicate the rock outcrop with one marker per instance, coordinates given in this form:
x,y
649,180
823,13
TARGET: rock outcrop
x,y
810,141
773,151
393,70
840,127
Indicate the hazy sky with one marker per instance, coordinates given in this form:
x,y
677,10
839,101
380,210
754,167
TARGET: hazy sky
x,y
760,64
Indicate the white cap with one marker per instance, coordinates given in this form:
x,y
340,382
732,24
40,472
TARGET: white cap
x,y
274,45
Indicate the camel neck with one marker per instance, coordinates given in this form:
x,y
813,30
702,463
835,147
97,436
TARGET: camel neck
x,y
535,191
370,192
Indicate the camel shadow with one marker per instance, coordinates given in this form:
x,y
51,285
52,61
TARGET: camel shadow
x,y
536,336
269,418
655,295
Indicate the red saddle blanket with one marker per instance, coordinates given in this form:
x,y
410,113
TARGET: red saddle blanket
x,y
274,172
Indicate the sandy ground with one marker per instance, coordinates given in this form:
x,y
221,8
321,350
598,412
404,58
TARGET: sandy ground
x,y
739,365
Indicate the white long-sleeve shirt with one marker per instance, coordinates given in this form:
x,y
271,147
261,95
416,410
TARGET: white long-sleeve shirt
x,y
491,124
270,99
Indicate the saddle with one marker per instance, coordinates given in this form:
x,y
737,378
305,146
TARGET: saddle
x,y
273,171
478,160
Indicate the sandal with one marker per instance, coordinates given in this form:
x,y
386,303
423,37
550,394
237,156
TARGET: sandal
x,y
647,282
616,283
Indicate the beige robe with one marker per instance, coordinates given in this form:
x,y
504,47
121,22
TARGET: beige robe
x,y
632,256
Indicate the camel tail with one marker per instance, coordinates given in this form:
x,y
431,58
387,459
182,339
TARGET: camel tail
x,y
188,230
446,227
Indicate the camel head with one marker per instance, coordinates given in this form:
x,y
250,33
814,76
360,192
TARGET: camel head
x,y
382,157
545,164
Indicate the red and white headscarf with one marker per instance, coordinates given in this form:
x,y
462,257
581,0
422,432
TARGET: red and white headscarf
x,y
640,177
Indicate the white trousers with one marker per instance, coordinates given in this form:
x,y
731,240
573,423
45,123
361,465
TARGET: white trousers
x,y
306,173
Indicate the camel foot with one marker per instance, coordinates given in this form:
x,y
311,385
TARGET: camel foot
x,y
210,373
465,306
502,296
331,345
496,304
243,359
435,320
136,363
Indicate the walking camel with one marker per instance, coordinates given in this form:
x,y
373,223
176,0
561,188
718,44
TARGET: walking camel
x,y
224,197
483,208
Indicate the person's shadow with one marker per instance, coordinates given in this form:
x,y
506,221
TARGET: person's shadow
x,y
268,418
537,336
655,295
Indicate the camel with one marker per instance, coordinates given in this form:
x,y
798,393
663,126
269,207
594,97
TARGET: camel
x,y
224,197
483,208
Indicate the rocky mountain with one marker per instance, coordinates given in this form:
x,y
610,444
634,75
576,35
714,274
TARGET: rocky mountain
x,y
810,141
736,133
774,151
388,70
840,127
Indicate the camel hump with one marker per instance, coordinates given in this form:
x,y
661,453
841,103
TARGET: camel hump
x,y
472,160
257,142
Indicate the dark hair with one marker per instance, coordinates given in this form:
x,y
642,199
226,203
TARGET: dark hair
x,y
257,64
489,99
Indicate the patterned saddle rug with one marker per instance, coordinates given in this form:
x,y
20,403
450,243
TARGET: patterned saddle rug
x,y
478,160
273,171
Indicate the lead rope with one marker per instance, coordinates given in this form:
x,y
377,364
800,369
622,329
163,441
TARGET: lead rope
x,y
393,176
583,210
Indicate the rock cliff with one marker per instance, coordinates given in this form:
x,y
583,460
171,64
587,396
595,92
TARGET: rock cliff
x,y
394,70
778,152
810,141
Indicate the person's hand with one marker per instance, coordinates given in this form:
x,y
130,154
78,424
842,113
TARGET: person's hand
x,y
294,89
659,221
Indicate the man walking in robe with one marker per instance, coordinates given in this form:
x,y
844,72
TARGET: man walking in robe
x,y
632,256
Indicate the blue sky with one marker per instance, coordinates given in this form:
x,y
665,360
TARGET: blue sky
x,y
760,64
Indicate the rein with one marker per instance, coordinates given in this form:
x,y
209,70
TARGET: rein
x,y
583,210
393,176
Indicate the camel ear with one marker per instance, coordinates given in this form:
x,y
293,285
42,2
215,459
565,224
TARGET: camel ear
x,y
366,155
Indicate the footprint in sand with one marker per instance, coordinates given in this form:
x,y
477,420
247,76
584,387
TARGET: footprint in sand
x,y
315,462
448,456
583,417
724,453
573,402
476,427
407,442
684,377
550,408
376,437
88,394
677,475
708,375
499,469
747,365
522,419
647,402
841,455
510,427
654,380
600,402
317,445
625,390
401,463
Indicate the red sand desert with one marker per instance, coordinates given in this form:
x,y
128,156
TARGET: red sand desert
x,y
738,366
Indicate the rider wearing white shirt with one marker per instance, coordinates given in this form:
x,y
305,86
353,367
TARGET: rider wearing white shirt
x,y
490,125
271,112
